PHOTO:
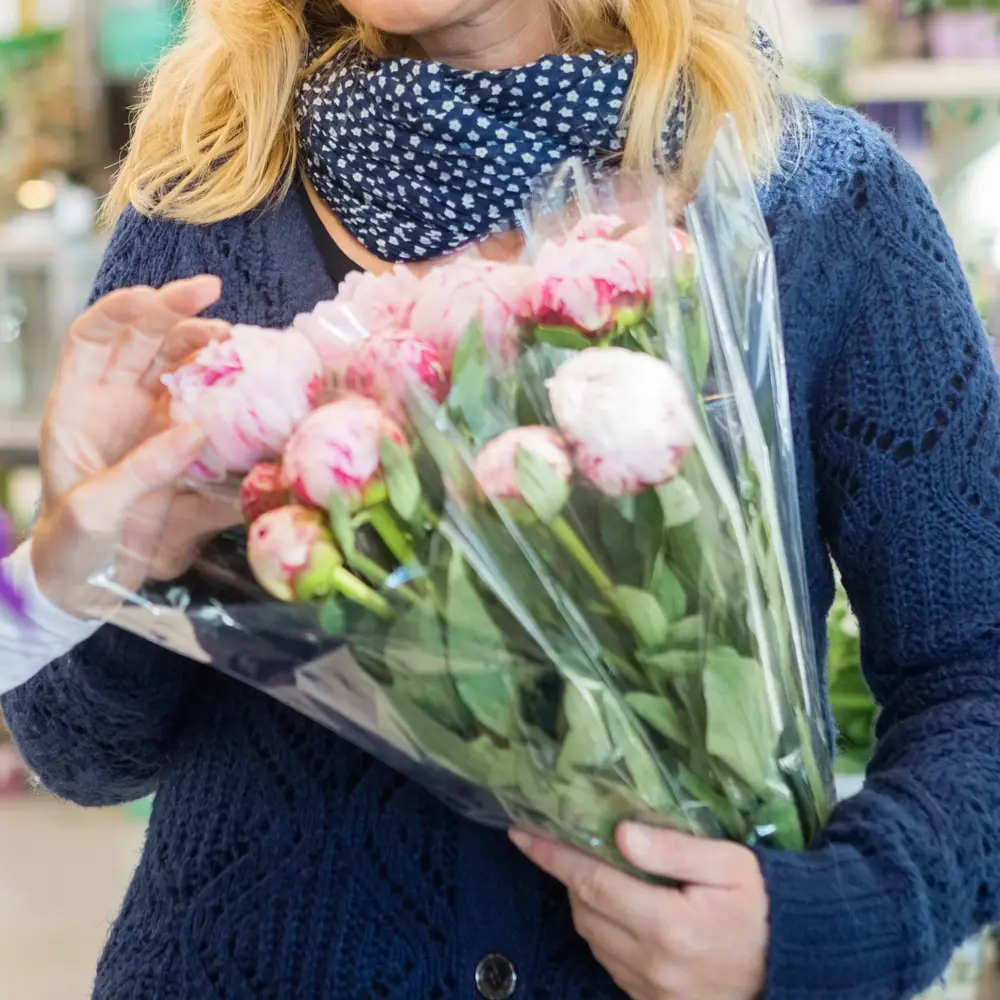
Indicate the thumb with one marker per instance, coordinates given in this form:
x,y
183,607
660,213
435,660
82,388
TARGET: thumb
x,y
680,857
156,463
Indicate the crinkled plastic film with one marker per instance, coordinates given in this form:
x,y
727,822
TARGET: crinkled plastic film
x,y
569,659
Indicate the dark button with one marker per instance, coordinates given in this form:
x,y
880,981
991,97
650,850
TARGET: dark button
x,y
496,978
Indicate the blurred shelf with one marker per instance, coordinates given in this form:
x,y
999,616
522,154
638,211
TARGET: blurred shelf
x,y
923,80
18,441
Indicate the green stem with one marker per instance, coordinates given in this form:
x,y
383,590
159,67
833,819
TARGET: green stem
x,y
379,576
353,589
430,517
572,543
384,522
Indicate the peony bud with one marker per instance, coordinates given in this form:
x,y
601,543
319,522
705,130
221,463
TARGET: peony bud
x,y
496,464
247,393
338,449
626,415
386,366
292,554
263,489
590,284
473,290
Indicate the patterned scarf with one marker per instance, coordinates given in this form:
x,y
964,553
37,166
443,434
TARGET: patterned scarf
x,y
417,159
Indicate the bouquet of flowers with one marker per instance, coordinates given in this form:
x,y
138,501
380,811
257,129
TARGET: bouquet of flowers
x,y
528,530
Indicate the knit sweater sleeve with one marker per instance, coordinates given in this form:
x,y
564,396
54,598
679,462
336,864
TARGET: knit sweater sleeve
x,y
97,724
907,449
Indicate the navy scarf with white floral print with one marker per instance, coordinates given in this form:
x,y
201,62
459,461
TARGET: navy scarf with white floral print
x,y
417,159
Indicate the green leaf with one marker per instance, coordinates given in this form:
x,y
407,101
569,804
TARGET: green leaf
x,y
643,614
332,619
415,645
648,526
669,591
704,793
673,662
778,824
468,380
615,521
661,714
740,729
401,479
690,632
543,490
566,337
699,342
478,657
478,760
415,654
587,743
679,501
340,521
648,778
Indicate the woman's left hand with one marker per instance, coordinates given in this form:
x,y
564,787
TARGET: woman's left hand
x,y
705,941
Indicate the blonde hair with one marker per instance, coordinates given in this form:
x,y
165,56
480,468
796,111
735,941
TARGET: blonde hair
x,y
215,135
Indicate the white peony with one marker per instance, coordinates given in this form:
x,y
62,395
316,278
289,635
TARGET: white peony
x,y
626,416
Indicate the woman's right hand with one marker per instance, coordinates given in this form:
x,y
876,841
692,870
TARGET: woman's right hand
x,y
111,507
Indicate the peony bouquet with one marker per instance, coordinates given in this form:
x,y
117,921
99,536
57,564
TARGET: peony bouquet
x,y
528,530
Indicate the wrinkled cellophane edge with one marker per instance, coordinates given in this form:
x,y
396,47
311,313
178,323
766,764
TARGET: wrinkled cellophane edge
x,y
520,702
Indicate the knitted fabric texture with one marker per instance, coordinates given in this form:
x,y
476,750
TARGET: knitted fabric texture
x,y
284,864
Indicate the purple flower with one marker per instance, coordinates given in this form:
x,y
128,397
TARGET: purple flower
x,y
10,597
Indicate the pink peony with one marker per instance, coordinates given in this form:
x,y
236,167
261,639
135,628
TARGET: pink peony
x,y
496,464
590,284
386,366
292,553
338,449
262,490
469,290
247,393
627,417
366,305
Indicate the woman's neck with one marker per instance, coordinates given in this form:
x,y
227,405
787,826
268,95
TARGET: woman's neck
x,y
502,247
506,33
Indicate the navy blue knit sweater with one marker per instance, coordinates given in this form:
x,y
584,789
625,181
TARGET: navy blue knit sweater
x,y
283,864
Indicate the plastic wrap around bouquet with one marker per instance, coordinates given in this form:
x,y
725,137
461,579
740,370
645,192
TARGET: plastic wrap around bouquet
x,y
528,531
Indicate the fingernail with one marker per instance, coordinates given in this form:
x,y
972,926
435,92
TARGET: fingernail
x,y
637,839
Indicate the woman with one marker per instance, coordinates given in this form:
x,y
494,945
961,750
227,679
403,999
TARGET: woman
x,y
283,863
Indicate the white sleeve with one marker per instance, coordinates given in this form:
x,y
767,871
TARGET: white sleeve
x,y
27,645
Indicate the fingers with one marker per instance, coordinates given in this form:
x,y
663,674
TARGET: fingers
x,y
139,348
91,341
681,857
620,898
102,504
121,334
193,517
184,340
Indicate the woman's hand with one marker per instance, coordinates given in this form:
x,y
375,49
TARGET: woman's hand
x,y
109,458
705,941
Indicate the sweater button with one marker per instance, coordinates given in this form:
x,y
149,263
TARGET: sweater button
x,y
496,978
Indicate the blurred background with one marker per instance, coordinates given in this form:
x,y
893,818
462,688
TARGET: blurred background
x,y
927,70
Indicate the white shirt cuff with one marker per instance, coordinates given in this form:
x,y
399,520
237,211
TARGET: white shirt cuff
x,y
46,633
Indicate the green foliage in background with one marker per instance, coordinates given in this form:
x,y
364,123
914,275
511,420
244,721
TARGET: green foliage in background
x,y
853,708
